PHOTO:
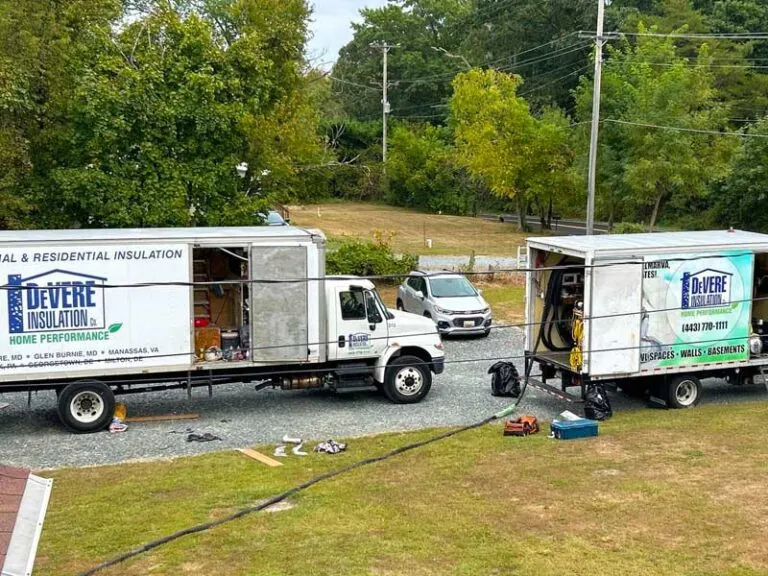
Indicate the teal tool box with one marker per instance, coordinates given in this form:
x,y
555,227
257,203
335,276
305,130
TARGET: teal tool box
x,y
570,429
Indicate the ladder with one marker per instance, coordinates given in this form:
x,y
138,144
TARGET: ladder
x,y
202,300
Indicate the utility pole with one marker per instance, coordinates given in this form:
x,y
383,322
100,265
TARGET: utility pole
x,y
385,48
595,117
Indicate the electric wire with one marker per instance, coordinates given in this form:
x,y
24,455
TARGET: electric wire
x,y
558,323
683,129
351,278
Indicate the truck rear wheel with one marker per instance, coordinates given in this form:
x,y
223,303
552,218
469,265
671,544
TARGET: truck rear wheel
x,y
86,406
407,380
683,392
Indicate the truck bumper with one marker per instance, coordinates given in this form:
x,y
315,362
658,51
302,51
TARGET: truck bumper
x,y
438,365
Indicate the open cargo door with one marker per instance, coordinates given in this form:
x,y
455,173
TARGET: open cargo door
x,y
278,311
614,328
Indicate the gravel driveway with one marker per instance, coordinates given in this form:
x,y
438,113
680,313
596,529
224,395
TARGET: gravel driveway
x,y
241,416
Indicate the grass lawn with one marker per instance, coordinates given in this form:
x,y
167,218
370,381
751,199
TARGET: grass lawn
x,y
658,493
450,234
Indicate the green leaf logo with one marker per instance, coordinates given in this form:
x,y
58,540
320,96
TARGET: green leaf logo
x,y
115,327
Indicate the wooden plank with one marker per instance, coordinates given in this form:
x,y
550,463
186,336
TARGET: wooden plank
x,y
260,457
162,418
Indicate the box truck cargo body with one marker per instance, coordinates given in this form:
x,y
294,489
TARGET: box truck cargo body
x,y
651,312
91,313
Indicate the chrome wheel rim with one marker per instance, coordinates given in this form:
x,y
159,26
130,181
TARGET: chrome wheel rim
x,y
686,392
86,407
409,381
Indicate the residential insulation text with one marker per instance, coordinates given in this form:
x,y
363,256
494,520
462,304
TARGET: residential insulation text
x,y
92,256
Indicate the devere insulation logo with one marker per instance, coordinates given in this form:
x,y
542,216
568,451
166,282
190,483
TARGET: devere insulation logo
x,y
707,288
54,301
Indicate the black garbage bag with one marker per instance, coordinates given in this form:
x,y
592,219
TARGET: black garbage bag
x,y
596,403
505,381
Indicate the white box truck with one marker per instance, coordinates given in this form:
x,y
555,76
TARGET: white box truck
x,y
653,313
94,313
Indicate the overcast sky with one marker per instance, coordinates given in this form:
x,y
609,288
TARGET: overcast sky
x,y
331,26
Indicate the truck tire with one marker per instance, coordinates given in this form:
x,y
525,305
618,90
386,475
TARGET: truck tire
x,y
683,392
407,380
86,406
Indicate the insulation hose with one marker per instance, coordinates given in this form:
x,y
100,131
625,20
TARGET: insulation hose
x,y
296,489
552,315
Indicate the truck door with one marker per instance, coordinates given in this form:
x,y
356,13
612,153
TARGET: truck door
x,y
278,308
360,325
613,333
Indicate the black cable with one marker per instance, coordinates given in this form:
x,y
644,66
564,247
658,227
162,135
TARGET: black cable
x,y
186,284
286,494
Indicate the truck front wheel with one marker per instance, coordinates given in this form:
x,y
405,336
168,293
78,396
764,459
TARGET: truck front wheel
x,y
683,392
86,406
407,380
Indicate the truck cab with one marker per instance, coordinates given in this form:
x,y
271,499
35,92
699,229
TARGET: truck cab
x,y
403,349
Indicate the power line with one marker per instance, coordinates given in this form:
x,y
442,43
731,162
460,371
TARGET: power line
x,y
342,81
253,349
683,129
686,64
535,60
540,86
717,36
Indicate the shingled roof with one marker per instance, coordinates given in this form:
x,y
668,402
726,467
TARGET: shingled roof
x,y
23,504
13,482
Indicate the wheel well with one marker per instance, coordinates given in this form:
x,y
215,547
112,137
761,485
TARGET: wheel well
x,y
420,353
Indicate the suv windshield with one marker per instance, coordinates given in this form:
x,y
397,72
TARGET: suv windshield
x,y
458,287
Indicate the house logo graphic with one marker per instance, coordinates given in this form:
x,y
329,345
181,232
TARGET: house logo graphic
x,y
54,301
707,288
359,341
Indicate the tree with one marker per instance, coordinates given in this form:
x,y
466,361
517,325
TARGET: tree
x,y
420,69
743,197
423,171
520,157
143,125
650,84
535,39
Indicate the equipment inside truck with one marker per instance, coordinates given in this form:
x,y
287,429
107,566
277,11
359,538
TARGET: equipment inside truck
x,y
221,304
557,308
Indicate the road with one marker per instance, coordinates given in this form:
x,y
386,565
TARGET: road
x,y
242,417
566,226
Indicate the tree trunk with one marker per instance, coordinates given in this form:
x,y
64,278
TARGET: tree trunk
x,y
549,214
655,213
610,218
521,213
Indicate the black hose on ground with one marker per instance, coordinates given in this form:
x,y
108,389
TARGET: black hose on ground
x,y
296,489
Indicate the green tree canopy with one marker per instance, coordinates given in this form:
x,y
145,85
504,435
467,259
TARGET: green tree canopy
x,y
520,157
648,84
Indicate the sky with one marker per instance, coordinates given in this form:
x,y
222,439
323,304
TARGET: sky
x,y
331,20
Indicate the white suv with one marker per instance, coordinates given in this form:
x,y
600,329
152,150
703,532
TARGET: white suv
x,y
450,300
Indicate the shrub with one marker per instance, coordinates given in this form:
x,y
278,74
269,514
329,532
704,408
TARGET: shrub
x,y
357,258
628,228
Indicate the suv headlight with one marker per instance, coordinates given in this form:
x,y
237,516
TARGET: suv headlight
x,y
442,310
486,310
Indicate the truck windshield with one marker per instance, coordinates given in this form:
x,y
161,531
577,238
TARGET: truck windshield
x,y
458,287
383,306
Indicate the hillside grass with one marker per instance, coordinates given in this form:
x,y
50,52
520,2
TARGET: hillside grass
x,y
450,235
657,493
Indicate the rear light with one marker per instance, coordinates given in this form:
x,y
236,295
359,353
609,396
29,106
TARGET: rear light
x,y
201,322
